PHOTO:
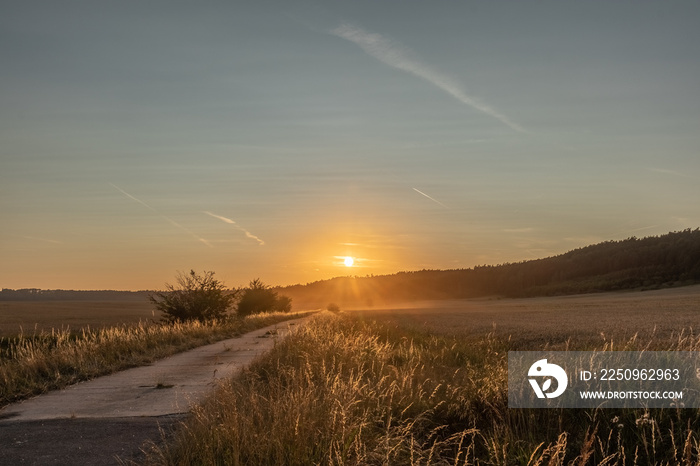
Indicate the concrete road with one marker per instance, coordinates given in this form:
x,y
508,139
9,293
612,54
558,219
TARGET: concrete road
x,y
66,424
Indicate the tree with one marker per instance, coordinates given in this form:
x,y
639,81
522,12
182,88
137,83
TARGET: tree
x,y
258,298
196,297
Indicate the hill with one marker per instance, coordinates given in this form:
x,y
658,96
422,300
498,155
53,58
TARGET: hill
x,y
652,262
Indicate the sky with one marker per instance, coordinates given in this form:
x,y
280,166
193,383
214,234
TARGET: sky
x,y
273,139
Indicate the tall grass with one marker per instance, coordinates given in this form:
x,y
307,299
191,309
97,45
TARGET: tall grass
x,y
34,364
341,391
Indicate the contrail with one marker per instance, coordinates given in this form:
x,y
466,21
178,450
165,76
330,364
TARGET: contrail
x,y
397,56
46,240
165,217
233,222
223,219
431,198
669,172
133,198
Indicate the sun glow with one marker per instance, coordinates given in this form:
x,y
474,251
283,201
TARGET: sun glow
x,y
349,261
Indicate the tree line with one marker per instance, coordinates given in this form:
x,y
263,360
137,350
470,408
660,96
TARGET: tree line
x,y
668,260
37,294
194,296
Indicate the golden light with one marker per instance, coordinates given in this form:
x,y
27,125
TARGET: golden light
x,y
349,261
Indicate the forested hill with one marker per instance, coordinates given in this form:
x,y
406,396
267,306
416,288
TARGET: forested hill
x,y
653,262
647,263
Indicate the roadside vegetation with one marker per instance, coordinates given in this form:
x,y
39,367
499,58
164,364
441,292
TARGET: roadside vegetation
x,y
195,312
36,363
195,297
259,297
203,298
354,390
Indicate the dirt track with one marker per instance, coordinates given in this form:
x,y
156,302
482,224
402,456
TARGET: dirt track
x,y
107,420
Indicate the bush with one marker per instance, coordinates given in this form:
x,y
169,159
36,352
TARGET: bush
x,y
258,297
196,297
334,308
284,304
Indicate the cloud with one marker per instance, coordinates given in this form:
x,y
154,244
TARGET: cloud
x,y
397,56
164,217
669,172
45,240
232,222
627,232
431,198
205,242
132,197
252,236
223,219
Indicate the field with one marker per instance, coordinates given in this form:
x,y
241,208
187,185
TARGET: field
x,y
426,383
418,383
31,316
532,323
51,344
535,320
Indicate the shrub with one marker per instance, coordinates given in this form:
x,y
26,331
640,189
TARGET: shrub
x,y
334,308
196,297
258,298
284,304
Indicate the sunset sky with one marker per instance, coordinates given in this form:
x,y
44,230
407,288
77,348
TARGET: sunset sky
x,y
273,139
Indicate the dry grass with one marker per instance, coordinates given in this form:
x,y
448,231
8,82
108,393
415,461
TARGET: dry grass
x,y
31,364
363,389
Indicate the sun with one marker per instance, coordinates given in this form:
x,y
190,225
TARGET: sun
x,y
349,261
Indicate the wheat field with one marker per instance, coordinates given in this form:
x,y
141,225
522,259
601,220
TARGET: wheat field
x,y
44,316
402,386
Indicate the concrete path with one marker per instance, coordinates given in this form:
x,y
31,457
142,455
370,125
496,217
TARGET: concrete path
x,y
162,391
